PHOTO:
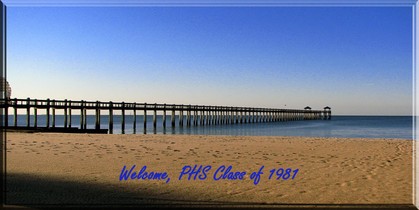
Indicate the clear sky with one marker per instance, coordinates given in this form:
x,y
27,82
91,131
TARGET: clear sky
x,y
357,60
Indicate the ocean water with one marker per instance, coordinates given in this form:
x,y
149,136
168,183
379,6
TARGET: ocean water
x,y
338,126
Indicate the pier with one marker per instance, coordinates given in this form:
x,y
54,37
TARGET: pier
x,y
186,115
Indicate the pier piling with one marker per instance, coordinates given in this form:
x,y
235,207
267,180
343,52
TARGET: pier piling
x,y
145,118
123,118
110,117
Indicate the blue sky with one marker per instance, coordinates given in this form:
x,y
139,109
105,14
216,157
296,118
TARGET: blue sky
x,y
357,60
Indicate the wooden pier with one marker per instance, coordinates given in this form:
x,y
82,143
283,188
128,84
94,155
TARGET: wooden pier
x,y
196,115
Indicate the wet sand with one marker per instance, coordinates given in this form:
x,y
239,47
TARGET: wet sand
x,y
47,168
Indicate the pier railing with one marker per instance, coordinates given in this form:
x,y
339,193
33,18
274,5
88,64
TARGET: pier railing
x,y
189,115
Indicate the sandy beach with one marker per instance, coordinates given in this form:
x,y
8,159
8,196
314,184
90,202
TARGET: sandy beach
x,y
47,168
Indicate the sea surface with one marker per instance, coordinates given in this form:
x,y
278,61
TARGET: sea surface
x,y
338,126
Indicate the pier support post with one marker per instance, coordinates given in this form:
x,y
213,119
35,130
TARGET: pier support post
x,y
181,116
195,116
266,116
85,118
236,116
155,117
110,117
220,115
145,118
123,118
81,114
164,116
65,114
53,113
256,116
188,116
262,116
172,118
97,123
69,114
208,116
28,113
134,123
35,115
203,115
15,113
229,114
47,120
217,118
214,116
223,115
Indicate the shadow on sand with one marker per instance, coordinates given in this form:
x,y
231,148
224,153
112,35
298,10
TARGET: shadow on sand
x,y
40,192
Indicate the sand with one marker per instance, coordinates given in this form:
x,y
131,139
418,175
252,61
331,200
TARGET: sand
x,y
47,168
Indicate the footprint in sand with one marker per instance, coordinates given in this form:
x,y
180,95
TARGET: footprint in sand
x,y
368,177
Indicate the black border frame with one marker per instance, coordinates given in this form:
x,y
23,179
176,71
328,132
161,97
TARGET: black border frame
x,y
4,113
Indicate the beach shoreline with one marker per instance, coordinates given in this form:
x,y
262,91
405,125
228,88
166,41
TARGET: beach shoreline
x,y
58,168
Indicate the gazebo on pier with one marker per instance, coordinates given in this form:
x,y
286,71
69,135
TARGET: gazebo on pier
x,y
327,114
